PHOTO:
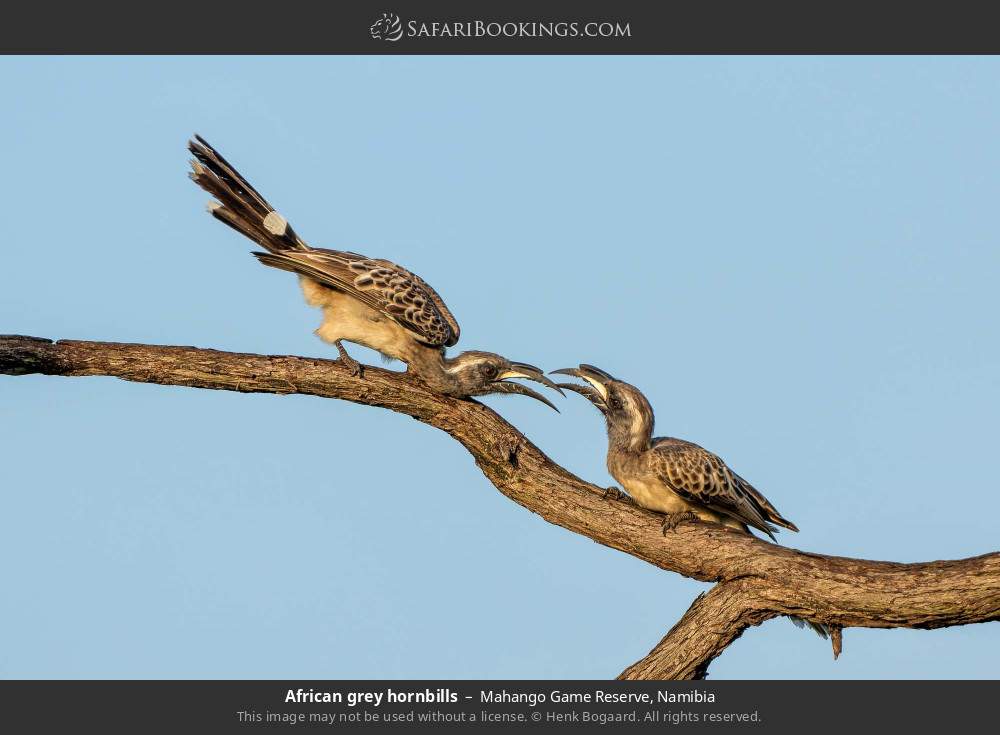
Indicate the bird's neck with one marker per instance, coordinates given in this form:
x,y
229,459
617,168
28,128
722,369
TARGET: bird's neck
x,y
431,366
631,436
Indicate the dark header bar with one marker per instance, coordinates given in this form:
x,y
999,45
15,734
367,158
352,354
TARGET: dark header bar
x,y
510,27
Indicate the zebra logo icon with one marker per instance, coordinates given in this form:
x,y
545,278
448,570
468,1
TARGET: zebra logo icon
x,y
387,28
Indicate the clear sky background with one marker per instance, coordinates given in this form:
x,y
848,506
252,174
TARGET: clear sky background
x,y
795,259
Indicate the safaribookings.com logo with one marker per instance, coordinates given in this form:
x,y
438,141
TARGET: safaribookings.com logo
x,y
390,28
387,28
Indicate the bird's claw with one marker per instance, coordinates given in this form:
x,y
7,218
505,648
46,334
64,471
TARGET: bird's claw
x,y
356,368
616,494
673,519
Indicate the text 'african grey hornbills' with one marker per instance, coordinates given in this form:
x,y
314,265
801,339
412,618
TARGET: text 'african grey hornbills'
x,y
673,476
374,303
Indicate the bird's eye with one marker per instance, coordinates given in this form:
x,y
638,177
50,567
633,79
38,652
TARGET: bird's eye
x,y
489,370
615,402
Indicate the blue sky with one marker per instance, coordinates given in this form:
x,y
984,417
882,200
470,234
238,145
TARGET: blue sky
x,y
795,259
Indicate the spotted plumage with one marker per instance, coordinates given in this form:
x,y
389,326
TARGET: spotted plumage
x,y
700,477
368,301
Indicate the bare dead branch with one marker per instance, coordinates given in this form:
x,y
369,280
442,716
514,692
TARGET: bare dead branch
x,y
758,580
714,620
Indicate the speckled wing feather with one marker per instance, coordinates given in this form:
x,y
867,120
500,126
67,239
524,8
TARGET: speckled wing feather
x,y
701,477
380,284
767,510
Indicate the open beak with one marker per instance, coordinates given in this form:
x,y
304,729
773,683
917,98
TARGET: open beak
x,y
500,386
594,389
528,372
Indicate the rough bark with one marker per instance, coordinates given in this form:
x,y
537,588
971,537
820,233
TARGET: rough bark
x,y
757,580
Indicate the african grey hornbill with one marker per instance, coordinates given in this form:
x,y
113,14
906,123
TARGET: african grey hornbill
x,y
670,476
673,476
372,302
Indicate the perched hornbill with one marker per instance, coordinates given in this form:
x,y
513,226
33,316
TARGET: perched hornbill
x,y
372,302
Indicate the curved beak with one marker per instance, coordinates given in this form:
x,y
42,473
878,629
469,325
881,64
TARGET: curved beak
x,y
595,389
500,386
597,378
529,372
587,392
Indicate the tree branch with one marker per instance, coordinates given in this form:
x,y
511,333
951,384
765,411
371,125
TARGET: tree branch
x,y
759,580
714,620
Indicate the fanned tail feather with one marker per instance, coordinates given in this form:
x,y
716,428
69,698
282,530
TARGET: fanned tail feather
x,y
237,203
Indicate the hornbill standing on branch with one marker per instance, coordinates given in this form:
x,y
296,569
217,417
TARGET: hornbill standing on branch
x,y
673,476
667,475
372,302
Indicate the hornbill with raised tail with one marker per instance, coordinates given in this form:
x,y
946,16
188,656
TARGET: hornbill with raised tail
x,y
369,301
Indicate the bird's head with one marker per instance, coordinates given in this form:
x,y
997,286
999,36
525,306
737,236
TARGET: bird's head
x,y
476,373
625,408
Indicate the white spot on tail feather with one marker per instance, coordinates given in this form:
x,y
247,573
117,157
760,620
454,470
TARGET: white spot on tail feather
x,y
275,224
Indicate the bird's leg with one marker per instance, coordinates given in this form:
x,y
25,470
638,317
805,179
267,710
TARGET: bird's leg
x,y
349,362
617,494
673,519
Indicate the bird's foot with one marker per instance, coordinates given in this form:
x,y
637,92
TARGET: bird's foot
x,y
356,368
617,494
673,519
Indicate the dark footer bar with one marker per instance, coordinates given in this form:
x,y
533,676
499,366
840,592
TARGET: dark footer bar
x,y
382,706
